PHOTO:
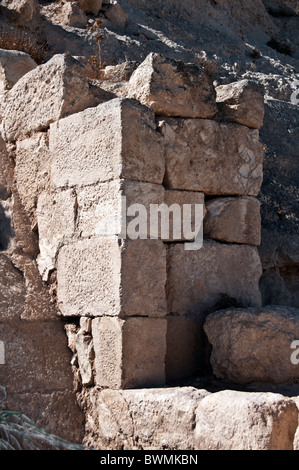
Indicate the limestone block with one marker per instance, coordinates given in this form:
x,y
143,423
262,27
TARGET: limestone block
x,y
233,220
151,418
13,65
56,225
216,275
129,352
117,139
233,420
172,88
241,102
32,170
215,158
104,276
51,91
110,208
254,345
85,352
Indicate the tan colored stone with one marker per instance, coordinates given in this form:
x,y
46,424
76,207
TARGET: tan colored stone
x,y
254,345
233,220
117,14
32,170
172,88
232,420
212,277
241,102
149,419
85,352
12,291
117,139
62,88
21,12
56,224
72,14
215,158
129,353
13,65
100,276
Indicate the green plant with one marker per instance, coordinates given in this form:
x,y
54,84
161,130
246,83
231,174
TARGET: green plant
x,y
95,63
21,39
18,432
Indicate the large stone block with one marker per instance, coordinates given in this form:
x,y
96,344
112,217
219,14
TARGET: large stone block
x,y
51,91
172,88
117,139
254,345
216,275
233,220
103,276
129,353
216,158
241,102
232,420
110,208
151,418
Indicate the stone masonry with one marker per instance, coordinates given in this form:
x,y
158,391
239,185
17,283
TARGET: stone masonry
x,y
146,299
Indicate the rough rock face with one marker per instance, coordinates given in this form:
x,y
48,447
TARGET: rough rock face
x,y
172,88
231,420
21,12
254,345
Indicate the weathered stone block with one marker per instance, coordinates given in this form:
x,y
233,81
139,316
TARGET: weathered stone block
x,y
56,224
51,91
216,275
103,276
241,102
233,220
13,65
32,170
254,345
117,139
129,353
158,417
215,158
233,420
172,88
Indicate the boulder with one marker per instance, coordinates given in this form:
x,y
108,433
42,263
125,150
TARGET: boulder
x,y
21,12
62,88
233,420
13,65
172,88
215,158
72,14
241,102
233,220
254,344
117,14
91,7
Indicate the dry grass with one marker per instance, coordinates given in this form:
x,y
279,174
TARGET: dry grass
x,y
20,39
95,65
